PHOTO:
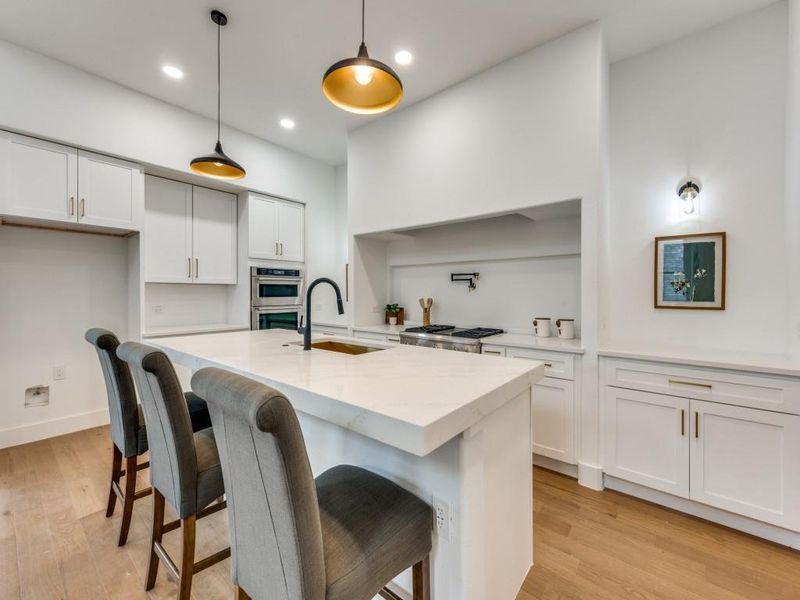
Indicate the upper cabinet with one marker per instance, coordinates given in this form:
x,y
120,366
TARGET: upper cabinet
x,y
276,229
110,192
47,181
190,233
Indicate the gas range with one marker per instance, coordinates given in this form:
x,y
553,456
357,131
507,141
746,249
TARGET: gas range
x,y
447,337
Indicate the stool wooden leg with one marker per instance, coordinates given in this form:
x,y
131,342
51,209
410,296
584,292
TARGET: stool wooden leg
x,y
187,557
129,497
240,594
158,531
116,468
422,579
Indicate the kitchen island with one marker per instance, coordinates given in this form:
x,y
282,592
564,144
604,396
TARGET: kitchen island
x,y
451,427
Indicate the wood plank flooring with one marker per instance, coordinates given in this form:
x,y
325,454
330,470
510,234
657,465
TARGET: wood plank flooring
x,y
55,542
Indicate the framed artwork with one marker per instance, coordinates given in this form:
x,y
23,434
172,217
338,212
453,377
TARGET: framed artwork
x,y
690,271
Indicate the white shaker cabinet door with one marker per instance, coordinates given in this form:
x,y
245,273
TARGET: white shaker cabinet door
x,y
290,231
167,231
262,215
647,439
38,179
214,236
747,461
111,192
552,419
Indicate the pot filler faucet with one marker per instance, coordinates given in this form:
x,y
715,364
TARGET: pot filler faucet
x,y
306,331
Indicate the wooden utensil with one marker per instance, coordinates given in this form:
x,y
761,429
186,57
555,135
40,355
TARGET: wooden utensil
x,y
426,310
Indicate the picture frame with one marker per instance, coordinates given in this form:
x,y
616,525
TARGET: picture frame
x,y
703,257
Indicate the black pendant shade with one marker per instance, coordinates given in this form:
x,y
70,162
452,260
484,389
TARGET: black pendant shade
x,y
218,164
362,84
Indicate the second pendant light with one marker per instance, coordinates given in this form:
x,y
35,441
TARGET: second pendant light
x,y
362,84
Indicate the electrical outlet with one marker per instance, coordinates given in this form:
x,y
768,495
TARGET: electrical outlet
x,y
158,309
441,513
38,395
59,372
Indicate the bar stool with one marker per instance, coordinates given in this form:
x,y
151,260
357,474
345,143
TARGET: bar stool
x,y
128,432
184,466
342,536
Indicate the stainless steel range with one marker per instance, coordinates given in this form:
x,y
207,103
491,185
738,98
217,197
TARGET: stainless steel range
x,y
447,337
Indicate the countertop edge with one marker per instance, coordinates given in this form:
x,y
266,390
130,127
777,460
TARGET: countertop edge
x,y
684,360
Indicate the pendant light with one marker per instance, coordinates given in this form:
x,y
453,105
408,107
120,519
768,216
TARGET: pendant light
x,y
362,84
218,164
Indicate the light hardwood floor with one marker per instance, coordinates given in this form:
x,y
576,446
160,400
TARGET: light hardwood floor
x,y
55,541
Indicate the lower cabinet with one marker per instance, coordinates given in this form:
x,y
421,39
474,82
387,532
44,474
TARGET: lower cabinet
x,y
552,419
553,402
647,439
746,461
738,459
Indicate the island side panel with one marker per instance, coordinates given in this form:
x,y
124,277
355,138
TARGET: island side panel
x,y
484,475
497,502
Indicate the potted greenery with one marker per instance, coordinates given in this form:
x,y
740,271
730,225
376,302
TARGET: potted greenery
x,y
392,312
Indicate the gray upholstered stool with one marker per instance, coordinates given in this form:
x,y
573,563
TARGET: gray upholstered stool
x,y
184,466
341,537
128,431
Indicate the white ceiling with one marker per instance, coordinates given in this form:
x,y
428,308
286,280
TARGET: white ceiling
x,y
274,53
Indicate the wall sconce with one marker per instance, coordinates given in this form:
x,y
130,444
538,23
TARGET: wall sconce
x,y
688,190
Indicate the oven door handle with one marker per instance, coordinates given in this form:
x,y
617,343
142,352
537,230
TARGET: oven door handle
x,y
278,279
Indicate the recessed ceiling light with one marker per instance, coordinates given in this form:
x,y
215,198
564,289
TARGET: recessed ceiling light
x,y
173,72
287,123
403,57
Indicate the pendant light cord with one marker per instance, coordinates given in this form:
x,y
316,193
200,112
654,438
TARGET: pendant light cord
x,y
362,20
219,77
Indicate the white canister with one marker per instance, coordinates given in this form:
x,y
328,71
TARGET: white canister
x,y
541,326
566,328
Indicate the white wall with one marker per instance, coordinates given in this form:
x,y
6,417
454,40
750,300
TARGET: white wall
x,y
54,287
712,105
522,133
792,180
49,99
530,131
528,268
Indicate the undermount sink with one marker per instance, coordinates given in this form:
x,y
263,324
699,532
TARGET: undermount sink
x,y
342,347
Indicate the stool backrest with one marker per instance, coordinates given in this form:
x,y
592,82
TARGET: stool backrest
x,y
173,458
123,407
276,535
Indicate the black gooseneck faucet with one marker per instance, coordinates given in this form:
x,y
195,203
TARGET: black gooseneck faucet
x,y
306,331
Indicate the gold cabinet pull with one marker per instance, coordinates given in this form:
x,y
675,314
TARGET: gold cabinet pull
x,y
548,365
71,205
683,421
276,249
197,267
189,260
696,424
83,207
707,386
495,352
281,248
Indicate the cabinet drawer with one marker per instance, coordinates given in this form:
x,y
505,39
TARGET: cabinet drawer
x,y
741,389
369,335
556,364
329,330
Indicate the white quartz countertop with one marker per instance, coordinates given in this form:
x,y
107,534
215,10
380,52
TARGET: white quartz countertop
x,y
524,340
387,329
409,397
773,364
154,332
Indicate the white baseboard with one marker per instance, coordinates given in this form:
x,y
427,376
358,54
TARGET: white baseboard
x,y
760,529
590,476
33,432
556,465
